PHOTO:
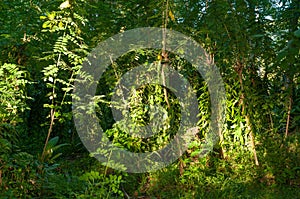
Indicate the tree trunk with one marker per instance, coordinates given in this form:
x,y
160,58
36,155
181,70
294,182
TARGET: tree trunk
x,y
239,69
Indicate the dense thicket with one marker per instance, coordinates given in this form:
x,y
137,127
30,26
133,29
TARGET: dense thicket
x,y
254,43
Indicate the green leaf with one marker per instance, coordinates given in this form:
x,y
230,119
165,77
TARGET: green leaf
x,y
46,24
65,4
52,142
43,17
51,16
195,153
258,35
297,33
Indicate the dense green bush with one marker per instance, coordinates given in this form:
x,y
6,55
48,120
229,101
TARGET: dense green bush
x,y
255,45
17,174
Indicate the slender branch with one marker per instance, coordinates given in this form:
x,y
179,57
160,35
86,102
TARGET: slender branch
x,y
288,116
164,54
52,111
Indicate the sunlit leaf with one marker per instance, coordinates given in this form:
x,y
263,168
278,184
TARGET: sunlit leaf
x,y
65,4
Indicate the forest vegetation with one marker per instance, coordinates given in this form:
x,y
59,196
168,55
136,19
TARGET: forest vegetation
x,y
255,44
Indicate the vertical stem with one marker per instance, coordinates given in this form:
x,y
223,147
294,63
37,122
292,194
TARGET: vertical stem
x,y
164,53
239,70
164,84
210,59
106,167
249,127
288,116
52,111
222,150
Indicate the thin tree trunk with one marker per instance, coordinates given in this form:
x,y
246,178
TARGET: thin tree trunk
x,y
252,140
288,117
239,70
164,54
52,113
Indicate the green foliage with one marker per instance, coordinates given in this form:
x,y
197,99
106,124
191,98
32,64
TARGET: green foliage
x,y
149,97
68,54
102,185
15,165
18,175
12,91
62,186
51,147
255,44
